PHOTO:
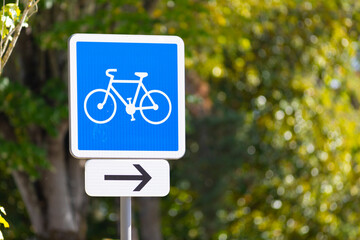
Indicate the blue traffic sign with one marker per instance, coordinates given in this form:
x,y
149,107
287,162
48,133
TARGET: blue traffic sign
x,y
126,96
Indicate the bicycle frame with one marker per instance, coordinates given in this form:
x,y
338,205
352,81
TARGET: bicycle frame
x,y
140,85
130,107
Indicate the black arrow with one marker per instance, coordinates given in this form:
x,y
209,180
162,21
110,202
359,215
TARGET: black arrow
x,y
144,177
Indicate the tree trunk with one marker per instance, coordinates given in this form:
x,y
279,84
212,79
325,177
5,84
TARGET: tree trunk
x,y
56,202
150,219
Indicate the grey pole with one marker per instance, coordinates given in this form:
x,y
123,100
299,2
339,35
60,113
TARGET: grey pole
x,y
125,218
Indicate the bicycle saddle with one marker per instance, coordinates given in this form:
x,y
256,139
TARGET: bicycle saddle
x,y
109,74
141,74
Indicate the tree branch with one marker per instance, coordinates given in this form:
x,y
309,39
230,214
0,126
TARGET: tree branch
x,y
7,40
31,200
29,6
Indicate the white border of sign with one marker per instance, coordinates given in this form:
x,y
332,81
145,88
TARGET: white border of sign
x,y
73,107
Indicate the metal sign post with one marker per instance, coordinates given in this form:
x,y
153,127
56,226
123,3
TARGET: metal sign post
x,y
125,218
127,177
127,104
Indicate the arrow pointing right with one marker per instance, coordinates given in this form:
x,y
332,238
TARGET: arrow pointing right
x,y
144,177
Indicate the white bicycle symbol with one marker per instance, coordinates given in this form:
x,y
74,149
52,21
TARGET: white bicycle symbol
x,y
100,96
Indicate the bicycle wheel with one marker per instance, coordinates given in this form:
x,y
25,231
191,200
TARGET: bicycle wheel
x,y
158,113
96,112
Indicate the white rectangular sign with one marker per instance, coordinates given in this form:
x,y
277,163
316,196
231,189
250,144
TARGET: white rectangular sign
x,y
127,178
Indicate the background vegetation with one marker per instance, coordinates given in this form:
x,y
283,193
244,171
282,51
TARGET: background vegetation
x,y
272,116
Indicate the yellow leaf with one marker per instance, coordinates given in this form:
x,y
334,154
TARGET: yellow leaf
x,y
172,30
245,44
157,13
4,222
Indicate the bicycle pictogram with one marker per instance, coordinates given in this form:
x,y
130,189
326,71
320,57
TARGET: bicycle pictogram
x,y
100,104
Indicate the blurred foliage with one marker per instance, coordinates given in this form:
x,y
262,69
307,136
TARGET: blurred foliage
x,y
21,106
278,156
17,216
103,218
26,110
